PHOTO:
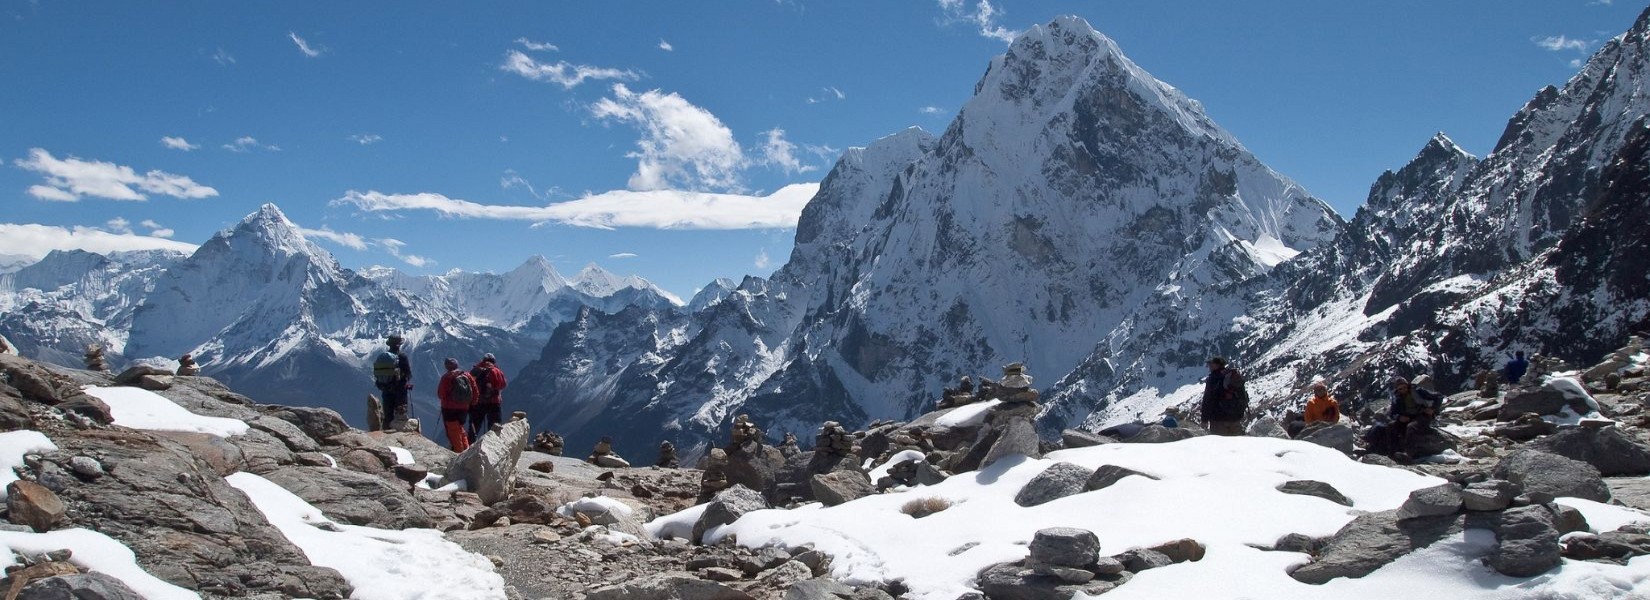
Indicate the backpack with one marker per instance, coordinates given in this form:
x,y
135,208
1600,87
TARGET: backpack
x,y
464,388
386,369
484,381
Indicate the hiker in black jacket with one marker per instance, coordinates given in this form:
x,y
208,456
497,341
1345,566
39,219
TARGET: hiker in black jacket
x,y
1411,414
393,376
1225,399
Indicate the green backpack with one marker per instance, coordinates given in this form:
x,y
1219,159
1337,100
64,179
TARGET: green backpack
x,y
464,388
386,369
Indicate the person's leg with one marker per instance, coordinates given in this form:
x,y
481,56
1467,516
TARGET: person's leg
x,y
477,415
389,410
453,420
495,415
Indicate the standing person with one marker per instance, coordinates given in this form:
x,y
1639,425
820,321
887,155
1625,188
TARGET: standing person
x,y
489,383
1412,411
1322,407
1516,367
392,373
457,391
1225,399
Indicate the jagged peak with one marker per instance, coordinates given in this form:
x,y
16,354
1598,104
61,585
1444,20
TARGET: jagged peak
x,y
1441,147
539,268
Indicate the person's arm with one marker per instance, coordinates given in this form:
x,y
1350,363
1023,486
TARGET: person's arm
x,y
406,368
475,390
444,388
498,379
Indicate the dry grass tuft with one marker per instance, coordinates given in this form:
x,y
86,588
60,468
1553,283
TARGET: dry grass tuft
x,y
922,507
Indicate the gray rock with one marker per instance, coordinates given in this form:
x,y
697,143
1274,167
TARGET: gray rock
x,y
1017,437
1158,434
842,486
89,407
1611,546
1077,438
131,375
1107,475
727,507
1009,581
1608,449
32,504
785,575
86,466
1299,542
667,586
1541,401
1065,547
1537,471
1141,559
1057,481
294,438
1107,565
1338,436
1066,574
262,451
1526,542
354,498
1307,487
1435,501
824,589
1372,541
755,466
489,465
1492,495
85,586
317,423
1181,550
1267,427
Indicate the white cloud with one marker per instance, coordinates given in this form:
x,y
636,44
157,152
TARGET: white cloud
x,y
567,74
1559,43
779,152
511,179
304,46
682,145
394,246
931,110
831,93
247,143
762,261
664,45
177,143
366,138
118,225
981,14
150,223
622,255
657,209
37,240
1576,63
70,179
347,240
536,46
223,57
162,233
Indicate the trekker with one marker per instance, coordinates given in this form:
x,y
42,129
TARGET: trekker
x,y
489,383
1225,399
392,373
1412,412
1516,367
457,391
1322,407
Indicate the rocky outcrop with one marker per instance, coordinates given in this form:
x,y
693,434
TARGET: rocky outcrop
x,y
489,465
1537,471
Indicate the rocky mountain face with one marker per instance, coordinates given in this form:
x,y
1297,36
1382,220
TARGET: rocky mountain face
x,y
271,313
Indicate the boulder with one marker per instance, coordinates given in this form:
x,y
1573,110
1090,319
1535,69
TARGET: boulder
x,y
667,586
1065,547
1492,495
1541,401
1267,427
82,586
1526,427
1057,481
294,438
1308,487
1372,541
1158,434
317,423
755,466
89,407
1077,438
726,507
1526,542
1143,559
1435,501
489,465
1107,475
1537,471
1339,436
842,486
1608,449
1181,550
1611,546
354,498
32,504
609,461
1009,581
131,375
224,457
1017,437
14,414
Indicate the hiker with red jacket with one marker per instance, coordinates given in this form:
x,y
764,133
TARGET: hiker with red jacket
x,y
458,395
489,383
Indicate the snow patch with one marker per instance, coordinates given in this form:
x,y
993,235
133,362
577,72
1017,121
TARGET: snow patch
x,y
15,444
139,408
93,551
967,415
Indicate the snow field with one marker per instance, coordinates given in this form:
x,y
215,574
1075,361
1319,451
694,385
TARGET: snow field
x,y
138,408
382,564
1218,491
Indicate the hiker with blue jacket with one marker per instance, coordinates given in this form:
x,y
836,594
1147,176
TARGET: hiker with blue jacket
x,y
392,373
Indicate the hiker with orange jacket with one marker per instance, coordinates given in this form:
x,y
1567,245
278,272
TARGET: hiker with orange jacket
x,y
489,382
1322,407
458,393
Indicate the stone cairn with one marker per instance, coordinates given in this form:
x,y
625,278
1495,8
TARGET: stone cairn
x,y
790,447
603,456
94,358
745,435
1489,384
187,366
715,478
834,440
667,456
549,443
958,396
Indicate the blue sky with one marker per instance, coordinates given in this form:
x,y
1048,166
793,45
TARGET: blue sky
x,y
401,129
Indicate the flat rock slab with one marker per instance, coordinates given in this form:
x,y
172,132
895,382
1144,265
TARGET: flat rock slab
x,y
668,586
1308,487
1056,482
1372,541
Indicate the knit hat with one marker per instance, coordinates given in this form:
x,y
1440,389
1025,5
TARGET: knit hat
x,y
488,357
452,363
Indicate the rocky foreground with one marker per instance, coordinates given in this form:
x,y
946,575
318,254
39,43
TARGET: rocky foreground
x,y
1512,461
